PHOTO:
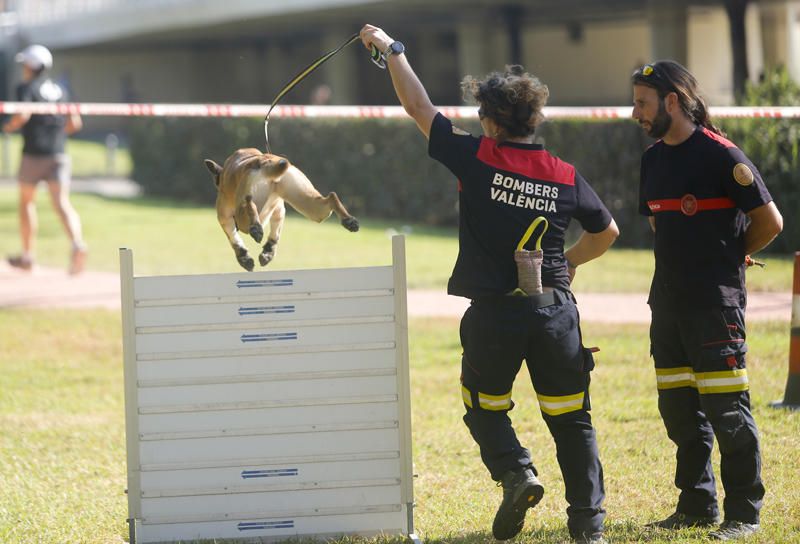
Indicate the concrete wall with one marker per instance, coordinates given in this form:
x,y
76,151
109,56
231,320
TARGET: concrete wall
x,y
592,70
710,57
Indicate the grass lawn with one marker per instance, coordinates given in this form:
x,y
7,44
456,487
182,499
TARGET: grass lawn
x,y
171,238
62,453
89,159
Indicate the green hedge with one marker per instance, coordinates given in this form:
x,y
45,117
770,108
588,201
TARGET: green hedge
x,y
380,168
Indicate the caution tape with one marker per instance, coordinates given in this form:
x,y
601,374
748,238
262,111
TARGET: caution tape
x,y
380,112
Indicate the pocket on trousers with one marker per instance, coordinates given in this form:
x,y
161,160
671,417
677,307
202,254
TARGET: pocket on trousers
x,y
562,320
722,355
562,337
722,341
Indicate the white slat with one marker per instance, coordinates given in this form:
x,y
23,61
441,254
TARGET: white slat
x,y
243,419
272,390
266,363
331,280
209,505
290,471
329,523
266,336
253,309
208,449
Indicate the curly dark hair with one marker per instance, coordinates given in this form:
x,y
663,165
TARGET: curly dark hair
x,y
513,99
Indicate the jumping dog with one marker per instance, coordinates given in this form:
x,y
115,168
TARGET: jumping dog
x,y
251,189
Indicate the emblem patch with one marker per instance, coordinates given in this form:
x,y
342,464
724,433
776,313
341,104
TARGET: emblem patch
x,y
742,174
688,205
459,132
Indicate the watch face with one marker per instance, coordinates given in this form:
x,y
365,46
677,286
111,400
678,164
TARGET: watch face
x,y
397,48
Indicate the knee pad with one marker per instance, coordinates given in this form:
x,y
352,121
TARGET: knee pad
x,y
728,420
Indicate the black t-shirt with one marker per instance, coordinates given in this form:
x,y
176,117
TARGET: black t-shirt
x,y
43,134
699,192
502,189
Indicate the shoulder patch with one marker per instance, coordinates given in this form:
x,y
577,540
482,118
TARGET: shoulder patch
x,y
459,132
742,174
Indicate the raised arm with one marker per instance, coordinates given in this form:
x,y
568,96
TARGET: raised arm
x,y
412,95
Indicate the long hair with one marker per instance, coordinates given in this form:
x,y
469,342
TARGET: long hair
x,y
668,76
513,99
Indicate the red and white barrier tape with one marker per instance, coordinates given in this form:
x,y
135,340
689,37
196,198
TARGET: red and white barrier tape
x,y
259,110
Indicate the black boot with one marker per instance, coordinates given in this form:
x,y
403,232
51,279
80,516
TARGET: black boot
x,y
521,490
679,520
733,530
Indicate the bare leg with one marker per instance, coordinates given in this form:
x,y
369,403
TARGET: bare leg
x,y
28,220
66,212
28,225
59,195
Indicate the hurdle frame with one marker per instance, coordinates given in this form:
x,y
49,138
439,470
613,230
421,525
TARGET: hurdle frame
x,y
132,384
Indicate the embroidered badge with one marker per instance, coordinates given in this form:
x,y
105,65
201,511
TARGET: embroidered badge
x,y
459,132
688,205
742,174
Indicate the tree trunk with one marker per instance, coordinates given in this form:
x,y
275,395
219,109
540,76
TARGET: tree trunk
x,y
513,20
736,13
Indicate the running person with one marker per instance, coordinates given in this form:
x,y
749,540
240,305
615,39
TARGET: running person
x,y
710,210
505,183
44,158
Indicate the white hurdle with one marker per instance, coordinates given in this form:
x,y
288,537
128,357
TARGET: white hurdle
x,y
269,405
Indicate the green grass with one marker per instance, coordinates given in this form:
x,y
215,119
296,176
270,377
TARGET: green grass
x,y
89,159
62,453
171,238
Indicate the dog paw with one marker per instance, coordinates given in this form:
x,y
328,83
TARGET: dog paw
x,y
268,253
247,263
257,232
350,223
265,258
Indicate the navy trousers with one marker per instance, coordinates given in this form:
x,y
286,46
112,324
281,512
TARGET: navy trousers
x,y
497,333
703,393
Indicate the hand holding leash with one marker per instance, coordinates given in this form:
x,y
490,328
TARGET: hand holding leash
x,y
377,41
376,35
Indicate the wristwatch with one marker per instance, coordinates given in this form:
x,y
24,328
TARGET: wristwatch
x,y
395,48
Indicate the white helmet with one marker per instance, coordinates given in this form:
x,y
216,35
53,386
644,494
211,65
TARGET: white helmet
x,y
35,57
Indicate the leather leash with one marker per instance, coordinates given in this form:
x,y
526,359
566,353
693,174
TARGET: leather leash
x,y
376,56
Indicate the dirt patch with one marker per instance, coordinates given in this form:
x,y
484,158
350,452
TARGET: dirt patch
x,y
54,288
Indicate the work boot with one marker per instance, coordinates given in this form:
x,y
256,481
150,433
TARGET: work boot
x,y
679,520
521,490
733,530
593,538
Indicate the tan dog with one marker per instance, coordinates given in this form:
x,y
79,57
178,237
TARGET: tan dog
x,y
251,189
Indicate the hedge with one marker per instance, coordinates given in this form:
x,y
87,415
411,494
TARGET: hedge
x,y
380,169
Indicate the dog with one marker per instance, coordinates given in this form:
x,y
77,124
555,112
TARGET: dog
x,y
251,189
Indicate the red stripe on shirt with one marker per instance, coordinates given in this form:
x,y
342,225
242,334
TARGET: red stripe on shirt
x,y
534,164
716,137
703,204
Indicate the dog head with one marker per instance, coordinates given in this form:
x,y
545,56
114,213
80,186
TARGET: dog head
x,y
242,163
